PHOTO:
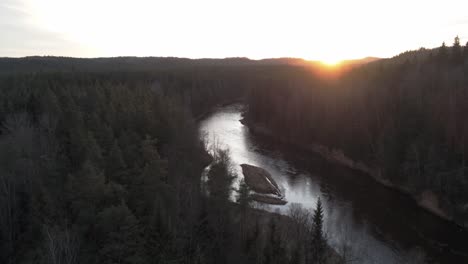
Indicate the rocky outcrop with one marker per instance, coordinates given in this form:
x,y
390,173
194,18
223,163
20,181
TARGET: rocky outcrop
x,y
260,181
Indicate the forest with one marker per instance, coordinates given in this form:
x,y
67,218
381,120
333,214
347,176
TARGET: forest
x,y
101,161
402,120
103,165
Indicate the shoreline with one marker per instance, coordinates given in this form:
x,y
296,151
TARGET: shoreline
x,y
213,108
426,200
263,216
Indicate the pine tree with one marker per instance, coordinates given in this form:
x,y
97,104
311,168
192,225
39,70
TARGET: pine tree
x,y
49,102
274,251
115,162
85,192
150,186
456,51
253,244
296,255
220,177
318,239
443,53
78,137
244,199
105,137
465,52
94,152
120,236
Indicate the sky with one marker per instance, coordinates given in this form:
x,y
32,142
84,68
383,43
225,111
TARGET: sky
x,y
329,31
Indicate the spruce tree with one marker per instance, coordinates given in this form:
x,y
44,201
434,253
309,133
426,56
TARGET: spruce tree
x,y
274,251
220,177
443,53
243,195
114,162
456,51
244,199
318,239
465,52
119,236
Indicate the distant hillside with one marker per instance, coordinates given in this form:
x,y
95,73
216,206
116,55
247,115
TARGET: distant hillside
x,y
67,64
360,61
119,64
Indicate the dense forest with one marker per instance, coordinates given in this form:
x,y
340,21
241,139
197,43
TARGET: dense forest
x,y
101,161
402,120
104,166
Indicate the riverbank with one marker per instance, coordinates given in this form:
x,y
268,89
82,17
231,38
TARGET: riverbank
x,y
213,108
381,223
289,229
259,218
425,200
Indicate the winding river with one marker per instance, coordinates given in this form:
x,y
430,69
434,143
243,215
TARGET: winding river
x,y
379,224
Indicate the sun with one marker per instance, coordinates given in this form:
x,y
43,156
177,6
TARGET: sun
x,y
331,62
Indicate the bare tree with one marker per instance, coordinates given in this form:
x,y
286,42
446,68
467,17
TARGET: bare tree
x,y
62,246
8,216
16,171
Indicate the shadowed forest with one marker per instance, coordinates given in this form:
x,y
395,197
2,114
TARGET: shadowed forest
x,y
105,166
402,120
101,160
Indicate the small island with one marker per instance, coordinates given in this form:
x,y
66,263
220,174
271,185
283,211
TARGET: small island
x,y
265,188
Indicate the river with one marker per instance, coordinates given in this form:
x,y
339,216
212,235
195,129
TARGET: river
x,y
379,224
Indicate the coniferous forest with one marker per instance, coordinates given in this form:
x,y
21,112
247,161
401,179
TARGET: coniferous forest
x,y
104,166
101,160
402,120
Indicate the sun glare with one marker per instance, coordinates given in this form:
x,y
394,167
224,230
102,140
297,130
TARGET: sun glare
x,y
331,62
164,28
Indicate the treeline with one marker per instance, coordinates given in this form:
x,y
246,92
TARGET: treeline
x,y
51,64
404,116
104,167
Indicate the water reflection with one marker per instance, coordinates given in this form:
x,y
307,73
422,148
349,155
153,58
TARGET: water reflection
x,y
360,215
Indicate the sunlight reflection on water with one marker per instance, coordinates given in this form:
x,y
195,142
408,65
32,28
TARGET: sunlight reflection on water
x,y
223,129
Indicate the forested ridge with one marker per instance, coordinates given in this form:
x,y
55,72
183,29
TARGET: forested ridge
x,y
101,161
132,64
104,166
403,117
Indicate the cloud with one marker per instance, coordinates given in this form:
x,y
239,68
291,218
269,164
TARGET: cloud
x,y
461,21
222,28
21,37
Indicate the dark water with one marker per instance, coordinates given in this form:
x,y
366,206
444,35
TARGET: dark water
x,y
380,225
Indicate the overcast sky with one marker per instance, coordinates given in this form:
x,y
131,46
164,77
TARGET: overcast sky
x,y
324,30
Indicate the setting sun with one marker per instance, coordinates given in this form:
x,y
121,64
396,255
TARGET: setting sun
x,y
331,62
219,29
181,131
